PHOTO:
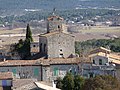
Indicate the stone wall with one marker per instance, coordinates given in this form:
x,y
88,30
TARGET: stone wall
x,y
53,71
61,45
23,71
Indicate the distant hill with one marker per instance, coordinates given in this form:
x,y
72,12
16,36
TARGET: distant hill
x,y
59,4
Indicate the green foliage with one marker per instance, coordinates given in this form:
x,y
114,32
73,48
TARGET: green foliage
x,y
59,83
101,83
79,82
88,45
29,34
68,82
67,14
23,47
71,82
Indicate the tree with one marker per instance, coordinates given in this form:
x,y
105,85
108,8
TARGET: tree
x,y
68,82
78,82
29,34
27,42
101,83
59,83
23,47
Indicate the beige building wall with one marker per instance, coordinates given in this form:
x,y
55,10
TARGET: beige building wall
x,y
61,45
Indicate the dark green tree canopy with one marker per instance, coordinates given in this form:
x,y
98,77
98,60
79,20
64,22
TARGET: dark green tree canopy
x,y
29,33
68,82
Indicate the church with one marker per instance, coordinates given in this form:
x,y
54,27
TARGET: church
x,y
56,43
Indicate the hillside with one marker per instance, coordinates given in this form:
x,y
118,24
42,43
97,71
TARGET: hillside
x,y
60,4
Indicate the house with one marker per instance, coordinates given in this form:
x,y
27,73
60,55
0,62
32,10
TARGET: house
x,y
56,43
22,69
103,61
58,67
6,80
41,69
103,56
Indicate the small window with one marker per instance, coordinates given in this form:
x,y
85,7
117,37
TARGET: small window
x,y
14,71
41,47
0,53
93,61
36,72
91,75
34,45
58,27
61,55
44,47
100,61
55,71
61,50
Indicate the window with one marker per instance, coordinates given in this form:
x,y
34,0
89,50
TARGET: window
x,y
55,71
61,55
41,47
58,27
0,53
14,71
100,61
91,75
93,61
44,47
36,72
34,45
61,50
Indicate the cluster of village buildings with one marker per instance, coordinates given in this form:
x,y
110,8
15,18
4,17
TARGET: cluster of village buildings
x,y
53,56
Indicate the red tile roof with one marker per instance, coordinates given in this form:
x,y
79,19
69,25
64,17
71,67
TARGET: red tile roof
x,y
19,62
50,61
51,18
6,75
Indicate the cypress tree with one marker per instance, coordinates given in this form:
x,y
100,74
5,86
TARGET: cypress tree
x,y
29,33
27,42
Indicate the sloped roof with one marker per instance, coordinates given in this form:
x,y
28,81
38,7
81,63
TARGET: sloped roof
x,y
53,33
19,62
54,16
62,61
111,55
6,75
114,56
50,61
116,61
100,49
98,54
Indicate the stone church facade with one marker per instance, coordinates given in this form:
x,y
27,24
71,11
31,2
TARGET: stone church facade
x,y
56,43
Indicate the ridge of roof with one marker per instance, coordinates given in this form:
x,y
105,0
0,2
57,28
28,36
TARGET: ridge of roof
x,y
52,33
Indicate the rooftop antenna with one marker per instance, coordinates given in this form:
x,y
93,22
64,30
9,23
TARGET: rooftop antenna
x,y
54,10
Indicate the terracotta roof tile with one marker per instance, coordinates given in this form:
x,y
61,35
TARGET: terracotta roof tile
x,y
51,18
6,75
19,62
114,56
63,61
52,33
49,61
100,49
49,34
